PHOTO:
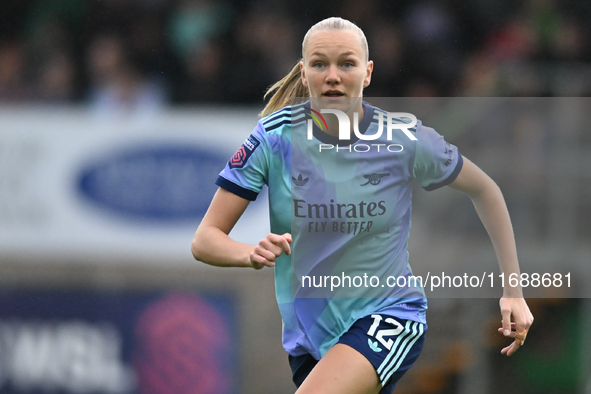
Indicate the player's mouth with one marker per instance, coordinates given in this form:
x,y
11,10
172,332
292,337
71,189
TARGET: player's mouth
x,y
333,93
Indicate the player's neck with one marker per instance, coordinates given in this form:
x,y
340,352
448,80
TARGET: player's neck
x,y
333,123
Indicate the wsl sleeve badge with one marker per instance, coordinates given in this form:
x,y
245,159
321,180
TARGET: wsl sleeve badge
x,y
244,152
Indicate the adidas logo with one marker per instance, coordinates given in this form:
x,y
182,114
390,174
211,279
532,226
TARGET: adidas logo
x,y
374,345
300,181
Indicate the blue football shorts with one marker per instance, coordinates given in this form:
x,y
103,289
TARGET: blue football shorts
x,y
391,345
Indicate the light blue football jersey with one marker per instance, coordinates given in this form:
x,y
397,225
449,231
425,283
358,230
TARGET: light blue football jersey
x,y
348,209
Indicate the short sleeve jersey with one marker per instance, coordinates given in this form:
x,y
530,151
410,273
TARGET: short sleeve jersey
x,y
347,204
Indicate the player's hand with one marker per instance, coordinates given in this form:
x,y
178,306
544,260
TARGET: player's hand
x,y
517,309
270,247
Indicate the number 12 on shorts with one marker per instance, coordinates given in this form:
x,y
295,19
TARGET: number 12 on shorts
x,y
384,332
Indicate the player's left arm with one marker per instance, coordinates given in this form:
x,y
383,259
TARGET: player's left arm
x,y
492,210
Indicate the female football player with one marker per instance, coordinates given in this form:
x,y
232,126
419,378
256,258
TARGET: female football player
x,y
342,206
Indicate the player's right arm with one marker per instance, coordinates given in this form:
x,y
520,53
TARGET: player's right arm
x,y
212,245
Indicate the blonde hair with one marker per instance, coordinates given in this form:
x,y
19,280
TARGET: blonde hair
x,y
291,86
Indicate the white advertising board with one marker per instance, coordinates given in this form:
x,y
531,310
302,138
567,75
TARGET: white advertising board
x,y
75,186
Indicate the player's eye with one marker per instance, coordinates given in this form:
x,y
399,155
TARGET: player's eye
x,y
317,64
348,65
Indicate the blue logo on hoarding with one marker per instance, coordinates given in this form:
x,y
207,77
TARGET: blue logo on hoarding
x,y
164,183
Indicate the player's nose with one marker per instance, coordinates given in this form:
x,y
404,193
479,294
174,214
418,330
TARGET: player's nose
x,y
333,75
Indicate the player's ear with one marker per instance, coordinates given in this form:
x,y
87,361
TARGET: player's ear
x,y
303,75
368,71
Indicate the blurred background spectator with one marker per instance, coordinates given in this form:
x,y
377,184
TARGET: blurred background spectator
x,y
116,84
